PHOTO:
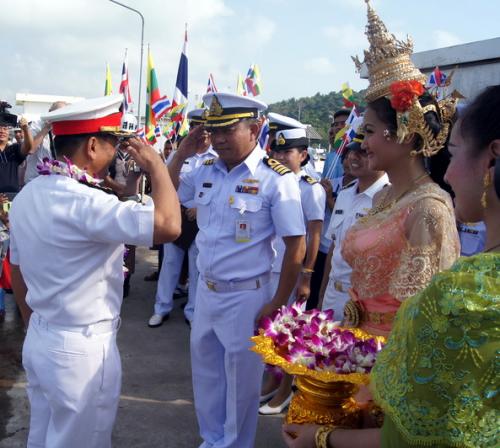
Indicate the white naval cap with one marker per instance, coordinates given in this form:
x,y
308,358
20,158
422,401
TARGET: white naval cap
x,y
196,115
290,138
88,116
278,122
225,109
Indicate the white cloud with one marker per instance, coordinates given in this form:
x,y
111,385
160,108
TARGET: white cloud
x,y
259,31
348,36
445,39
319,66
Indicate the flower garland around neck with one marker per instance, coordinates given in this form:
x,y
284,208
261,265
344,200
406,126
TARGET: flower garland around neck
x,y
49,167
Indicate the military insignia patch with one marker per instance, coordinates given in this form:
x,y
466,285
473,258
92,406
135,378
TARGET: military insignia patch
x,y
276,166
215,107
281,140
209,162
309,179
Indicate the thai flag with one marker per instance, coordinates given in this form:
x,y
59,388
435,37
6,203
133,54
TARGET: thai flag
x,y
437,78
352,116
211,88
124,86
160,107
264,135
180,98
157,131
140,133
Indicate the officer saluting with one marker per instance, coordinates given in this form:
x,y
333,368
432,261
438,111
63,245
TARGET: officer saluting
x,y
243,200
67,238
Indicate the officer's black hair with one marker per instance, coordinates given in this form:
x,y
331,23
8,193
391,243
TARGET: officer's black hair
x,y
340,112
68,145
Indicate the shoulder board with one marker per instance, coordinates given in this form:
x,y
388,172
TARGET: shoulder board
x,y
349,185
276,166
309,179
209,162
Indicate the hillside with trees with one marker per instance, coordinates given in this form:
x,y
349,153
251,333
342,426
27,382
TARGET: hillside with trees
x,y
316,110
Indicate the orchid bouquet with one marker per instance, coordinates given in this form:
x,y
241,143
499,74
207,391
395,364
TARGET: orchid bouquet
x,y
312,339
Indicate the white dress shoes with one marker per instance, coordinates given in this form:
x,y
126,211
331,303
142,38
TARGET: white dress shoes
x,y
270,410
156,320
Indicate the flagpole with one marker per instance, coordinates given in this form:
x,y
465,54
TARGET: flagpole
x,y
142,54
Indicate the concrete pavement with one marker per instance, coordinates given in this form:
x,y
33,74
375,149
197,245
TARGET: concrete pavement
x,y
156,406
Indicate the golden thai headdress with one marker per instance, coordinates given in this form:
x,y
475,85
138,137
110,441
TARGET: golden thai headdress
x,y
393,75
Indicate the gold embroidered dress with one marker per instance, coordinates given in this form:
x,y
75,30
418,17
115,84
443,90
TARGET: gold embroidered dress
x,y
438,377
395,252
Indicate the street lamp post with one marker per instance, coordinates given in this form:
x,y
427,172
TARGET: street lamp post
x,y
140,65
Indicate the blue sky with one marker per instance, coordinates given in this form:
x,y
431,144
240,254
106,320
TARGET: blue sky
x,y
302,47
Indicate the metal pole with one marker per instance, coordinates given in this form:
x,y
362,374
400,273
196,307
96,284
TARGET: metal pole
x,y
140,65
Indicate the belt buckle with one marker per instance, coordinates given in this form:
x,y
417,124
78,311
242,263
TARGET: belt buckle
x,y
338,286
210,285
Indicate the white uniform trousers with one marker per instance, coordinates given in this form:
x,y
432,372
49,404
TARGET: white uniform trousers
x,y
74,381
170,271
335,300
227,376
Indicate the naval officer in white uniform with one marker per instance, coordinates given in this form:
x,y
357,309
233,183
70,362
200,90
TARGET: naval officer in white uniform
x,y
67,236
243,200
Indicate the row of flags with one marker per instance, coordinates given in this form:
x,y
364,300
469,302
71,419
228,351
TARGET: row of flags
x,y
159,109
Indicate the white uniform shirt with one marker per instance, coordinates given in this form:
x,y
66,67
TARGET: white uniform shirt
x,y
275,209
36,158
68,240
349,206
472,238
195,161
313,199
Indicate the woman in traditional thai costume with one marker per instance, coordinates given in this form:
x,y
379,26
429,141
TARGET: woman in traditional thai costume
x,y
437,379
410,233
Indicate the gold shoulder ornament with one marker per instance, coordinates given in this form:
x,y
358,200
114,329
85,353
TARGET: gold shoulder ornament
x,y
310,180
276,166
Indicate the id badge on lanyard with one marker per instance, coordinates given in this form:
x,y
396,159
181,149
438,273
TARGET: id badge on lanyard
x,y
242,234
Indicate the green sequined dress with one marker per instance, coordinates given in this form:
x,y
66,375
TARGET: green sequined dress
x,y
438,378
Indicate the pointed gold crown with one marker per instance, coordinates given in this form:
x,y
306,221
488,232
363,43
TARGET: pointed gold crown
x,y
388,59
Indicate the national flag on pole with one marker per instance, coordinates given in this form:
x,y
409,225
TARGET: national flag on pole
x,y
181,87
240,86
124,86
108,88
437,78
211,88
264,135
161,107
253,83
347,95
153,97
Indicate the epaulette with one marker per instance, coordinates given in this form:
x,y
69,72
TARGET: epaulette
x,y
310,180
349,185
209,162
276,166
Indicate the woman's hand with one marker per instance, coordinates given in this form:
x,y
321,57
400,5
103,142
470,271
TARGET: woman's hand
x,y
299,436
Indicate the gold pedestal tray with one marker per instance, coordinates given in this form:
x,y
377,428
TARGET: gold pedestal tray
x,y
324,403
323,397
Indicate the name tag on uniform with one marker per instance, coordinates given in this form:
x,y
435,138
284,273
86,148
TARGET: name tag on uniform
x,y
339,212
207,184
242,234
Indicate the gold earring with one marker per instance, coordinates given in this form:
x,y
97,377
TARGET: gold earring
x,y
486,185
413,153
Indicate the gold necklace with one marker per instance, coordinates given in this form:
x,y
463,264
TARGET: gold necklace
x,y
385,206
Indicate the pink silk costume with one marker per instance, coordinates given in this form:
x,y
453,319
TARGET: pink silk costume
x,y
394,253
